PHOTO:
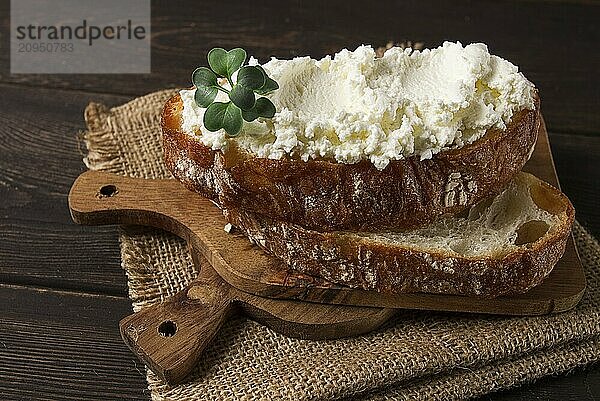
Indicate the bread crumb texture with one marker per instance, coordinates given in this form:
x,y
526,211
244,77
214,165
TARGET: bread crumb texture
x,y
493,228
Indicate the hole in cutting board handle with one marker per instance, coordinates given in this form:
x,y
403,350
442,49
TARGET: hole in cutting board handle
x,y
106,191
167,328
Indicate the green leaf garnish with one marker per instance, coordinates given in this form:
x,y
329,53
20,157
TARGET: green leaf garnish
x,y
262,108
224,62
203,76
242,97
223,116
205,95
206,86
251,77
269,86
243,104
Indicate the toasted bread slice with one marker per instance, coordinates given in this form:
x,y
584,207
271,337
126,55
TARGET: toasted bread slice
x,y
506,244
326,196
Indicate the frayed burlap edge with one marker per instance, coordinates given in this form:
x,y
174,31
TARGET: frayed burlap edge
x,y
158,265
102,151
145,253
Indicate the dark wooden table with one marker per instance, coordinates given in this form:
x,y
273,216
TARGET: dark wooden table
x,y
62,291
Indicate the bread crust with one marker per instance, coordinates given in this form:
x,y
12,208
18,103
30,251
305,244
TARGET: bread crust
x,y
360,262
328,196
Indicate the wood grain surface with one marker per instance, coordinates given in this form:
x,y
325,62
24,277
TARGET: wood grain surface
x,y
39,157
59,345
48,265
171,337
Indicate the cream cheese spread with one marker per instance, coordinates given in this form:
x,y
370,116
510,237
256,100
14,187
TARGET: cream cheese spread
x,y
355,106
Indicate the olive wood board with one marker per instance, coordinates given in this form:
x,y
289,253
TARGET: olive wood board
x,y
170,337
168,205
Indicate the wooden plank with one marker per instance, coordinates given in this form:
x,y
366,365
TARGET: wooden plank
x,y
65,346
39,160
552,42
576,159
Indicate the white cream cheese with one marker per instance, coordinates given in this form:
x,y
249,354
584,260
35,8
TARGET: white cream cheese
x,y
355,106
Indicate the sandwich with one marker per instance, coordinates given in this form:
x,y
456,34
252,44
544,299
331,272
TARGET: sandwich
x,y
398,173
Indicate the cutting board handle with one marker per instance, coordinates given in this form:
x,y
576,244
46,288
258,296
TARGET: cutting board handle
x,y
170,337
98,198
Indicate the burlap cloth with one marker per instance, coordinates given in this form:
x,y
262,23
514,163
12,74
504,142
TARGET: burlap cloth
x,y
417,355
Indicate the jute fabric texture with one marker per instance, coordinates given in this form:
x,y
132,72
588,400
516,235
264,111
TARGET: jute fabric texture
x,y
416,355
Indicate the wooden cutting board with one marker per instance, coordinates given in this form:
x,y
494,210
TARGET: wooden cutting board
x,y
170,337
101,198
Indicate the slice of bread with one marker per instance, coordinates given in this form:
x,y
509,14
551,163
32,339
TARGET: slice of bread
x,y
326,196
505,244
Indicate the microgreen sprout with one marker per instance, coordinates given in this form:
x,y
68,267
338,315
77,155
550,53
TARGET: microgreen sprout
x,y
243,104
